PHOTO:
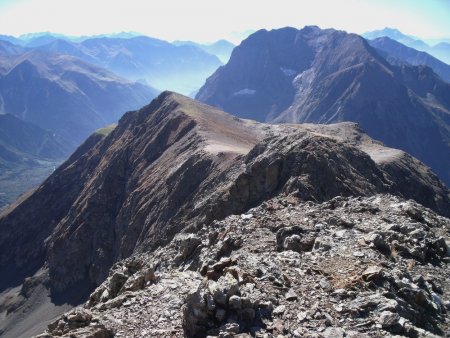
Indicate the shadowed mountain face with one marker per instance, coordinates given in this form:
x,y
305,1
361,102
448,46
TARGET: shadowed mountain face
x,y
397,54
328,76
156,62
64,94
178,164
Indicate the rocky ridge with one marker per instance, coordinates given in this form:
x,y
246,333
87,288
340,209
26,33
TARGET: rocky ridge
x,y
349,267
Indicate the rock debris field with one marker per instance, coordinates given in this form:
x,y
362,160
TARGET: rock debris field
x,y
349,267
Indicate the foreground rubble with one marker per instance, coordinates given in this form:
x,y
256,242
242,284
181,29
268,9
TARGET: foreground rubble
x,y
349,267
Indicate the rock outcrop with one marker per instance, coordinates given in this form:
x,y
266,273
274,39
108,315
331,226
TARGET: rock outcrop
x,y
169,170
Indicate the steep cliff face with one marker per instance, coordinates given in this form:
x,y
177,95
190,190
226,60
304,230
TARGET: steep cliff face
x,y
178,164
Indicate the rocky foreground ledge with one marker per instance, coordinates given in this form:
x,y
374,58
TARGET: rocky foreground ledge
x,y
350,267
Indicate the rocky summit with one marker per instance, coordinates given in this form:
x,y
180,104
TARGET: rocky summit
x,y
184,220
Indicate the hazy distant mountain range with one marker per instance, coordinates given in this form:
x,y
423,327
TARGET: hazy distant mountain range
x,y
222,48
160,64
151,61
397,53
441,50
64,94
327,76
52,103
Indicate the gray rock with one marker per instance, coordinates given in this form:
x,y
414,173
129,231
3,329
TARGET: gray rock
x,y
325,284
322,244
291,295
234,303
388,319
373,272
116,283
377,241
223,289
231,328
294,238
187,245
279,310
333,332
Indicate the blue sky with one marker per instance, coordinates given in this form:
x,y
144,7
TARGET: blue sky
x,y
208,20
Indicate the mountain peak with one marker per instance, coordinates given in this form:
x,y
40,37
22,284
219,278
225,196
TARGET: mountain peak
x,y
329,76
219,131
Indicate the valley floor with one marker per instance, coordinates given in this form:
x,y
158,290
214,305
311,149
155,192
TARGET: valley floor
x,y
15,182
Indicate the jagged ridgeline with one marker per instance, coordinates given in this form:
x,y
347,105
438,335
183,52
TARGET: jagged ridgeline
x,y
165,177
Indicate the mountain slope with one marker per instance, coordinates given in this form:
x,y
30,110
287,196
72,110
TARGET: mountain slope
x,y
22,142
396,53
327,76
440,50
176,165
28,154
152,61
64,94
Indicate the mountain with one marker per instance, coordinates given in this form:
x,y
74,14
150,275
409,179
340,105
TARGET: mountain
x,y
396,35
28,154
11,39
177,166
156,62
64,94
221,48
37,39
22,141
440,50
8,48
328,76
396,53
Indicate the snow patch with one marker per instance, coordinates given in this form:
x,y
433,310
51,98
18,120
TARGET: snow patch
x,y
245,91
288,71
